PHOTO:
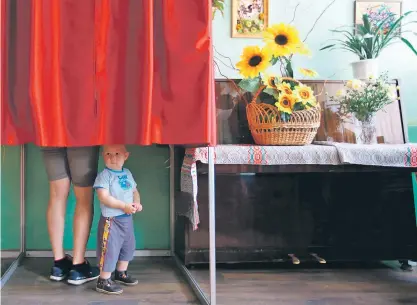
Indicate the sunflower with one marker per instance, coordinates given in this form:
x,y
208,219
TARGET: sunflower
x,y
270,80
308,72
285,88
305,94
253,61
285,103
282,39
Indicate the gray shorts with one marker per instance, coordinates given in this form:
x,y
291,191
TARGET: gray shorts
x,y
115,241
79,164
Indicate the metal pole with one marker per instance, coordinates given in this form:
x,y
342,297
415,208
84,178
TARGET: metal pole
x,y
22,201
212,225
172,199
201,296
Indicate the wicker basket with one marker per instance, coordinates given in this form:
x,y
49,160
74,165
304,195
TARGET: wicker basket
x,y
267,128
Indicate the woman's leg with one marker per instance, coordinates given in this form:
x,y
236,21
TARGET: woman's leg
x,y
56,165
83,162
58,194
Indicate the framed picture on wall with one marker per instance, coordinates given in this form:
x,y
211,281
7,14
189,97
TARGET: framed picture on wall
x,y
377,11
249,18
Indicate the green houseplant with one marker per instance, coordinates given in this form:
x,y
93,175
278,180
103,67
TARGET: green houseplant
x,y
370,39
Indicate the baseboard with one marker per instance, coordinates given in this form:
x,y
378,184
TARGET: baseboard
x,y
92,253
9,254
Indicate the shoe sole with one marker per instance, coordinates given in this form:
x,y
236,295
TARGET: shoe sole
x,y
108,292
127,284
83,281
57,278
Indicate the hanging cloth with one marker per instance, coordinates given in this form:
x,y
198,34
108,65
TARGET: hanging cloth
x,y
107,71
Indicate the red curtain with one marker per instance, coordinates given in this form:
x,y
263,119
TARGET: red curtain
x,y
97,72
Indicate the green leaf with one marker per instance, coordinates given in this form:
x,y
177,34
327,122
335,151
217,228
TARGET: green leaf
x,y
270,91
409,45
327,47
250,84
366,23
288,68
298,106
274,60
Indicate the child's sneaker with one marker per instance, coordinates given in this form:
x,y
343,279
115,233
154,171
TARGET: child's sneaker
x,y
83,273
123,278
108,286
61,269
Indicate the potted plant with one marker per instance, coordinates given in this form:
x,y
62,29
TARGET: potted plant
x,y
370,40
362,100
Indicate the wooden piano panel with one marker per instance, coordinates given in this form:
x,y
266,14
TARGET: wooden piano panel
x,y
232,125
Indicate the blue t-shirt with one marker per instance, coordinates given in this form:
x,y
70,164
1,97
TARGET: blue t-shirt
x,y
120,185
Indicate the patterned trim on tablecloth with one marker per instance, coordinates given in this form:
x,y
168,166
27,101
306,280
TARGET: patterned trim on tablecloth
x,y
268,155
411,157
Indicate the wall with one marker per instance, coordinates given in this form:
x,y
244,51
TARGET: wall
x,y
398,59
151,226
10,197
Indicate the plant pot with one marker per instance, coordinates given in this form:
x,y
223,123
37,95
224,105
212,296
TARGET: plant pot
x,y
365,68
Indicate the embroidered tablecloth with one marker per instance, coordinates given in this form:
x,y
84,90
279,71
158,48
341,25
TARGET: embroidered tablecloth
x,y
391,155
322,153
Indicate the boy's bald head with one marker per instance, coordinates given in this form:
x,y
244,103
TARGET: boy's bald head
x,y
115,147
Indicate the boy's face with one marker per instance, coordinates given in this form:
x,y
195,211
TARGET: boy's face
x,y
115,156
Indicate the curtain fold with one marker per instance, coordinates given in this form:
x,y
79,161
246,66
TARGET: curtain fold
x,y
98,72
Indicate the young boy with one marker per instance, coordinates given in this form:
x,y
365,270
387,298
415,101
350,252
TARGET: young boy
x,y
119,199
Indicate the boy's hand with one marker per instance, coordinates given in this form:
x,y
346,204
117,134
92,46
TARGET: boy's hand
x,y
138,207
129,208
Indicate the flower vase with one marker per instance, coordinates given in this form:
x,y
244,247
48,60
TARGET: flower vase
x,y
367,130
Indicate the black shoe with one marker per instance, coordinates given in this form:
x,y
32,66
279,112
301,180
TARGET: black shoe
x,y
83,273
123,278
61,269
108,286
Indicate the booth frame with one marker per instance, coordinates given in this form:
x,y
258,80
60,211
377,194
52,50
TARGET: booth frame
x,y
202,297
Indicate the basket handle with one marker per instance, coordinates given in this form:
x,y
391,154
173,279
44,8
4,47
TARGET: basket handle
x,y
262,87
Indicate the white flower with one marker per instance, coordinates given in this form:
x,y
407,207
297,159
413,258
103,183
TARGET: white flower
x,y
392,93
340,93
355,84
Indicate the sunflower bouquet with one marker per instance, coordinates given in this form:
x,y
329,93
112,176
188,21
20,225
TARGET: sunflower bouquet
x,y
293,116
282,42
